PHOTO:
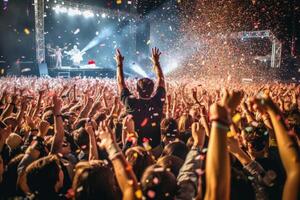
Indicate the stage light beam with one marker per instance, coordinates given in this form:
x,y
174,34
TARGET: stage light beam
x,y
136,68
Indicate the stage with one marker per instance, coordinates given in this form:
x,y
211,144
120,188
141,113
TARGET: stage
x,y
83,70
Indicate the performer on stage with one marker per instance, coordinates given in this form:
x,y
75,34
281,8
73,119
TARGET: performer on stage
x,y
57,54
76,55
58,57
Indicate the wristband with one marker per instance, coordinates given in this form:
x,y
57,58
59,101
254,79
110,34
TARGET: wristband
x,y
222,121
113,151
221,126
59,116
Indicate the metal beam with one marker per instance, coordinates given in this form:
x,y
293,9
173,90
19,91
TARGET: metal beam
x,y
39,30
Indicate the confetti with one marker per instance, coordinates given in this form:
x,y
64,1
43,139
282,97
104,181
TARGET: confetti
x,y
155,180
236,118
26,31
139,194
151,194
76,31
144,122
79,189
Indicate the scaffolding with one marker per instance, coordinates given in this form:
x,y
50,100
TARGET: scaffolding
x,y
39,30
276,44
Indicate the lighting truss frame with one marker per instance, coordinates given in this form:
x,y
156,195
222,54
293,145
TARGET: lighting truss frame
x,y
39,30
276,44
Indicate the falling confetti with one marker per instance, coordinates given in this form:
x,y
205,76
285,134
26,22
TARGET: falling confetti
x,y
144,122
26,31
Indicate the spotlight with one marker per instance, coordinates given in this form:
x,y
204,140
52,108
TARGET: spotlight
x,y
75,11
88,14
103,15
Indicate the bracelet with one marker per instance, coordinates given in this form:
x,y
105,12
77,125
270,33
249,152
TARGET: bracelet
x,y
221,126
34,129
12,104
113,151
222,121
60,115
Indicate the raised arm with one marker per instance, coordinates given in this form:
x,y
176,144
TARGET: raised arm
x,y
93,151
288,150
157,68
217,163
38,106
124,173
58,126
120,74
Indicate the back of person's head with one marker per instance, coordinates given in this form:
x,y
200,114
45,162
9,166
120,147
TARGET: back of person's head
x,y
44,176
184,123
11,176
255,137
169,129
93,180
158,183
14,141
81,138
145,87
173,163
139,159
177,148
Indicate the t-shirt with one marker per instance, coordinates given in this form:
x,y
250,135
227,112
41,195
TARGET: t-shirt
x,y
147,114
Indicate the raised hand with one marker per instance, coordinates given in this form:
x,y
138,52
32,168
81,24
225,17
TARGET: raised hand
x,y
233,145
263,104
89,128
43,128
119,58
155,55
198,134
57,105
105,134
230,100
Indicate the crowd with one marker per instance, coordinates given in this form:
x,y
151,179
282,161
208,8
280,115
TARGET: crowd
x,y
97,138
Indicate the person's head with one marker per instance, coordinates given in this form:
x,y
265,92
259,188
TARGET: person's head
x,y
145,87
11,175
158,183
185,123
255,139
81,138
45,176
173,163
139,160
14,141
177,148
169,130
92,179
75,47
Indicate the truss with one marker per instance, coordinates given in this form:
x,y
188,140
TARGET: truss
x,y
39,30
276,44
